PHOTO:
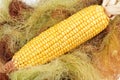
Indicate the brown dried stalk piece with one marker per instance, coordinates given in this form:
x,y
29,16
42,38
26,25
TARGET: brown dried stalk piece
x,y
16,7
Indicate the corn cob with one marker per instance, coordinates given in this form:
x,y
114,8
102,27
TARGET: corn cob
x,y
62,37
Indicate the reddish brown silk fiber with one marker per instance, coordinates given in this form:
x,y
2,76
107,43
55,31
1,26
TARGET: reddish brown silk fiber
x,y
3,76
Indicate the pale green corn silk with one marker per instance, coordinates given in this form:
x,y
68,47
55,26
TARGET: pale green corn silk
x,y
75,66
4,10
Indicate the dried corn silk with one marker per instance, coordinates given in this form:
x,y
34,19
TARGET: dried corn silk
x,y
109,56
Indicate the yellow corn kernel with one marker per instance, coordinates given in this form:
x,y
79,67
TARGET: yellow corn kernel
x,y
62,37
